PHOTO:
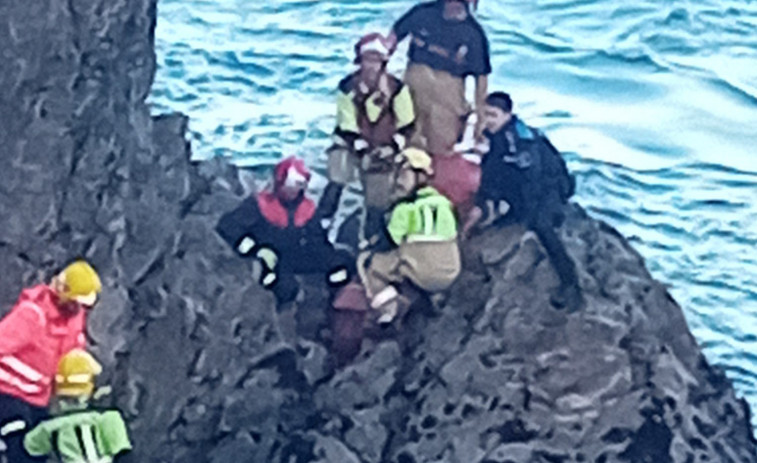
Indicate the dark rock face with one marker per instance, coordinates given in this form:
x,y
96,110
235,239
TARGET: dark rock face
x,y
200,359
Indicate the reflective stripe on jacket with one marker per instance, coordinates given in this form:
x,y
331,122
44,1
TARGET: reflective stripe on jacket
x,y
33,338
429,216
375,116
80,437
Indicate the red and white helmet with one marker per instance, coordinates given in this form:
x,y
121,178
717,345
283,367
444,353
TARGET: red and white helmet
x,y
373,42
291,173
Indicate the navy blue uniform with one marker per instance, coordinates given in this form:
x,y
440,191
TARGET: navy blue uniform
x,y
525,170
457,47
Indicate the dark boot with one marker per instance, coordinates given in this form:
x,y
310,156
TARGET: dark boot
x,y
329,202
567,297
374,223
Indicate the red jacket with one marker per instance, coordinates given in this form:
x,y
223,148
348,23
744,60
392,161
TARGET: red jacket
x,y
33,338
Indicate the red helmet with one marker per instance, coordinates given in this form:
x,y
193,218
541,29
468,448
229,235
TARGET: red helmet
x,y
290,171
374,42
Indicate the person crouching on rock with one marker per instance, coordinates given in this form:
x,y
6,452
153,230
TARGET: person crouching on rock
x,y
76,433
375,117
524,180
46,322
423,233
280,228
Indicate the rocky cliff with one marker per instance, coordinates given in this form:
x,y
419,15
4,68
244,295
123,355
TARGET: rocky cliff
x,y
200,362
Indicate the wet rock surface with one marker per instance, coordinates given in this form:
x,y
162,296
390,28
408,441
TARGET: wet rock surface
x,y
201,360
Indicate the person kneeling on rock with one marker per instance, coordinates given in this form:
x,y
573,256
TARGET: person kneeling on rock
x,y
524,180
423,231
46,322
76,433
281,230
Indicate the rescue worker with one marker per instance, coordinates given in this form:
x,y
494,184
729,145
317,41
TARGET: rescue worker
x,y
76,433
279,228
423,233
375,118
448,45
46,322
525,180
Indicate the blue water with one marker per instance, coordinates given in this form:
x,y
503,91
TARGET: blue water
x,y
653,102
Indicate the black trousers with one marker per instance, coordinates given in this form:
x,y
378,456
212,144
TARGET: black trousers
x,y
322,259
16,411
544,226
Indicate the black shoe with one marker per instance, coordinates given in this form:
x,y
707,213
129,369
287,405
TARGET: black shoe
x,y
568,298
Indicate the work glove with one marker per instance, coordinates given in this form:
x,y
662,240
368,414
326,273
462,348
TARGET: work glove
x,y
360,146
494,210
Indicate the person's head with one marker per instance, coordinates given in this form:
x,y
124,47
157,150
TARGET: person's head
x,y
77,287
456,10
290,179
75,377
372,52
415,171
498,111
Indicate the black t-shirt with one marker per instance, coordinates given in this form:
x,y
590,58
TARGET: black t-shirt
x,y
458,47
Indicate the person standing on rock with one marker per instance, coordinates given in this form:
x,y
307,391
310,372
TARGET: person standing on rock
x,y
525,180
280,229
47,322
423,233
76,433
375,118
447,46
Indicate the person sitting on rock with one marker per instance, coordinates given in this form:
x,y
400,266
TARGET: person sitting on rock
x,y
447,45
525,180
46,322
76,433
423,233
375,117
281,230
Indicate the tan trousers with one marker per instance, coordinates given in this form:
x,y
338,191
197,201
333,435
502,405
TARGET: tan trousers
x,y
432,266
440,107
344,167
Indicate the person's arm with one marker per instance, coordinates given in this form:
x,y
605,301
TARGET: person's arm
x,y
235,227
37,442
399,223
403,27
113,433
405,115
482,88
346,118
18,328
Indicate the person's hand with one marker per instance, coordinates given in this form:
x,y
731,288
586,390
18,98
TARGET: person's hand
x,y
383,152
482,146
391,42
473,218
360,145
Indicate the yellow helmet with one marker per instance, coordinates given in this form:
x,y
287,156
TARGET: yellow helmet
x,y
418,159
76,374
82,284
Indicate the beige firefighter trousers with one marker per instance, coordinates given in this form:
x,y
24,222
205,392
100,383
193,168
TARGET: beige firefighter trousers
x,y
432,266
440,108
344,167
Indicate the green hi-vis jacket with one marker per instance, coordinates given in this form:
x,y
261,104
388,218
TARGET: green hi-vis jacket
x,y
80,437
429,216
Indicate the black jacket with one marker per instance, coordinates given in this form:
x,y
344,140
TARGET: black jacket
x,y
524,169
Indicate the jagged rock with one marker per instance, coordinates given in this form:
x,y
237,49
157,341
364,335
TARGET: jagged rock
x,y
199,364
